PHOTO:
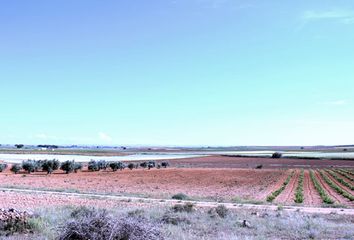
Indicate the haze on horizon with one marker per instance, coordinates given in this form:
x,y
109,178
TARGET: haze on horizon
x,y
178,72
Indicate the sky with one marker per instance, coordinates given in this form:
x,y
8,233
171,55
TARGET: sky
x,y
177,72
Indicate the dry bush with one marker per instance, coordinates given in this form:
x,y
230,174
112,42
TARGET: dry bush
x,y
14,221
94,224
187,207
170,218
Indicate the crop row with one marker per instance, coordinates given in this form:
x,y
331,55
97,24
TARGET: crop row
x,y
350,171
323,194
341,180
299,194
344,174
336,187
276,193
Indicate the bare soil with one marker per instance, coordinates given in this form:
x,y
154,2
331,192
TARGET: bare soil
x,y
252,162
287,196
200,183
311,196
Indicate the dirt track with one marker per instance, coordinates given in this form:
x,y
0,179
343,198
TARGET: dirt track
x,y
39,198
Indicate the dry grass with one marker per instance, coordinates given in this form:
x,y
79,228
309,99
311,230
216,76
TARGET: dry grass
x,y
203,224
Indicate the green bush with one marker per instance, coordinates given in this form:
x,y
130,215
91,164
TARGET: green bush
x,y
93,166
144,164
77,167
3,166
102,165
30,166
68,166
116,166
165,164
15,168
50,165
151,164
180,196
277,155
131,166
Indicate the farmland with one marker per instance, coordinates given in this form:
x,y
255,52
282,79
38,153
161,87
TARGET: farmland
x,y
210,178
240,193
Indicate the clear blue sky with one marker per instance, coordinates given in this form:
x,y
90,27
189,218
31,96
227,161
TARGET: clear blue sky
x,y
177,72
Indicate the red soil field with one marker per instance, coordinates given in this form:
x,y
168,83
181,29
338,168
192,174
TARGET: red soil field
x,y
217,178
31,201
332,193
251,162
216,184
339,184
311,196
287,196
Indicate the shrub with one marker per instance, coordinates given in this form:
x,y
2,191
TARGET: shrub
x,y
77,167
165,164
151,164
277,155
144,165
131,166
13,221
29,166
116,165
93,166
68,166
50,165
180,196
174,219
102,165
100,225
187,207
82,211
15,168
222,211
3,166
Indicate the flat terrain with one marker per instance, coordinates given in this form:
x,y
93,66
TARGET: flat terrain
x,y
215,184
252,162
213,178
